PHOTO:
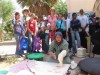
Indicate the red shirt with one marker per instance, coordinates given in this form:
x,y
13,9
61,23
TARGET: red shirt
x,y
32,26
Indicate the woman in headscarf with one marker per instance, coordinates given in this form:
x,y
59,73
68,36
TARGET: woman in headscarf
x,y
58,50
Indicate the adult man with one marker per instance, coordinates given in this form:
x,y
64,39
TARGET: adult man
x,y
58,50
68,32
75,25
84,28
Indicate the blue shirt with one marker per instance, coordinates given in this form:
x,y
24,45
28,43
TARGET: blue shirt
x,y
58,24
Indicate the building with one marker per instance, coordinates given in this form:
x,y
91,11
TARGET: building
x,y
76,5
97,8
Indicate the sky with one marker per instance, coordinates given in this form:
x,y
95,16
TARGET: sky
x,y
18,7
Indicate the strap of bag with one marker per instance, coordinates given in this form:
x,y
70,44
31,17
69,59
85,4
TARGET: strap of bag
x,y
60,24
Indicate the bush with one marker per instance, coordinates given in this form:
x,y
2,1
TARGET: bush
x,y
8,28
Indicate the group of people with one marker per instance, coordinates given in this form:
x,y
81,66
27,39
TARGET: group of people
x,y
62,31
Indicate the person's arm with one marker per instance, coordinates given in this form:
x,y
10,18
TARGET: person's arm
x,y
65,47
50,52
35,29
87,22
48,27
79,24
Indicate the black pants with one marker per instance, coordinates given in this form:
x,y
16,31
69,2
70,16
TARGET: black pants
x,y
64,34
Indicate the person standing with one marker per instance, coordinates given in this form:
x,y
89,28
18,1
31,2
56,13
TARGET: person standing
x,y
52,19
60,24
45,27
92,24
25,18
75,25
31,30
84,29
18,32
68,32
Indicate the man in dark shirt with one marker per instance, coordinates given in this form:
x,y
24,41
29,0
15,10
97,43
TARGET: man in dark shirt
x,y
75,25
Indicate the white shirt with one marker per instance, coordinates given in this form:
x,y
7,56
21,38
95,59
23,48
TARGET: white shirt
x,y
43,25
67,23
84,21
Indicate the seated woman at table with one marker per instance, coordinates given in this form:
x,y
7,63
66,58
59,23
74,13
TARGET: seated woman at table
x,y
58,50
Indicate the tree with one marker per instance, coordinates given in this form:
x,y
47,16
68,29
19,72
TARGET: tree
x,y
6,8
61,7
39,7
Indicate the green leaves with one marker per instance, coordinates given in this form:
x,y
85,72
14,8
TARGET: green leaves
x,y
61,7
6,9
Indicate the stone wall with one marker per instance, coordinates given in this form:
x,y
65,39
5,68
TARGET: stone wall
x,y
97,8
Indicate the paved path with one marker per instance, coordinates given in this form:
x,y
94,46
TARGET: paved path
x,y
7,48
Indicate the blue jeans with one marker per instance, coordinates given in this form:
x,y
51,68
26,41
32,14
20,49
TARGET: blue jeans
x,y
75,35
17,38
31,40
46,42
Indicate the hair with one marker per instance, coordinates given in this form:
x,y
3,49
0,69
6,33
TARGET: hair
x,y
33,15
60,14
17,13
66,14
81,10
52,8
73,14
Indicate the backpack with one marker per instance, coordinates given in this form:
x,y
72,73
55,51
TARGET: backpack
x,y
36,44
24,43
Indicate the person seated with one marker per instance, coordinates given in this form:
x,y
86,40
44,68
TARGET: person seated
x,y
58,50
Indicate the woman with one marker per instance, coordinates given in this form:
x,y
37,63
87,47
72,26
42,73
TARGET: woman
x,y
31,29
52,19
60,23
18,32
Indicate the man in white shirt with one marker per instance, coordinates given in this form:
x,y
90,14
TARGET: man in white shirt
x,y
84,26
45,27
84,21
68,34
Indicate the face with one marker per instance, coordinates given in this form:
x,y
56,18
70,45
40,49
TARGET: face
x,y
75,16
52,11
81,12
17,17
65,16
58,38
45,21
31,16
60,17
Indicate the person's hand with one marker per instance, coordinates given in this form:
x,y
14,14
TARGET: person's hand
x,y
18,47
34,35
83,29
54,56
66,33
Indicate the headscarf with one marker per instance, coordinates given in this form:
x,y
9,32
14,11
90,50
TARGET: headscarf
x,y
58,34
